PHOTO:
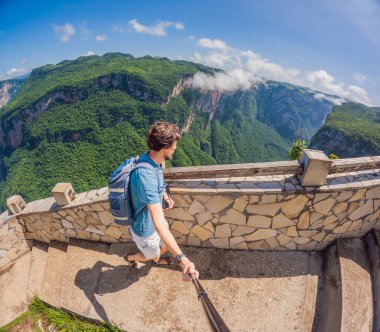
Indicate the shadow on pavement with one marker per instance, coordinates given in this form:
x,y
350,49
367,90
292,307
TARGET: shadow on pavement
x,y
213,264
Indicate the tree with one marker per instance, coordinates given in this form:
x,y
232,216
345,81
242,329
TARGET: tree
x,y
295,151
333,156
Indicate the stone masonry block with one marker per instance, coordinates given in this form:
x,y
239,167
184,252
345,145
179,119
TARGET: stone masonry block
x,y
63,193
16,204
316,167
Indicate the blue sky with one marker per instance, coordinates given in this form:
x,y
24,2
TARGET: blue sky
x,y
332,46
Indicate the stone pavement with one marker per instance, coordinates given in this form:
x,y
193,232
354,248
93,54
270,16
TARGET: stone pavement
x,y
13,288
53,273
252,290
37,268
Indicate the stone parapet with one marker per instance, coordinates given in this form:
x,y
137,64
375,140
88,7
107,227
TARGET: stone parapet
x,y
13,243
256,212
274,212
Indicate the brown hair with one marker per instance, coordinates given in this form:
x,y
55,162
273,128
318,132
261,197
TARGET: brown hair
x,y
162,135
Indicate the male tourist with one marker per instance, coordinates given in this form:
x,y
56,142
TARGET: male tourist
x,y
150,231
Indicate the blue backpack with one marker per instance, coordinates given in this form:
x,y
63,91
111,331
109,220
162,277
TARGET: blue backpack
x,y
119,190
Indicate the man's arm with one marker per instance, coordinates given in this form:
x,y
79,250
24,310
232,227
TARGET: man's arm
x,y
167,237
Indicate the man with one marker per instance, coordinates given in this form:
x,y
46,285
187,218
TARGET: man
x,y
150,231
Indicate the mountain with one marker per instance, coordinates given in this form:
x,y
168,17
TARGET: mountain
x,y
350,130
9,89
294,111
77,120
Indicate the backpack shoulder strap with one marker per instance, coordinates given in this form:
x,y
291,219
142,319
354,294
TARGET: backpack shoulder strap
x,y
144,164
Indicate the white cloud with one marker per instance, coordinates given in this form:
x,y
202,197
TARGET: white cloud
x,y
90,53
359,77
320,79
359,94
213,43
24,61
264,67
179,26
323,81
213,59
101,37
221,55
233,80
64,32
155,30
197,57
14,72
334,100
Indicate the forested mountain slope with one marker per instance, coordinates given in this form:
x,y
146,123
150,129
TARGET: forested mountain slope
x,y
350,130
77,120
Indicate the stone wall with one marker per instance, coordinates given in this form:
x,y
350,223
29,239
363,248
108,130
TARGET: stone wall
x,y
274,212
12,239
258,213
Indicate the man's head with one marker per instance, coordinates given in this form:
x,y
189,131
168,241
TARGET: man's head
x,y
164,136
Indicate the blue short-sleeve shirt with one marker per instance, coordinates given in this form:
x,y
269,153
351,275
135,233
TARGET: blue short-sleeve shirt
x,y
145,189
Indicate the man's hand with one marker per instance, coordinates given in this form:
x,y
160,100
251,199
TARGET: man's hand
x,y
188,270
169,202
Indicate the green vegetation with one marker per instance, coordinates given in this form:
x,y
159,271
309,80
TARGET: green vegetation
x,y
295,151
356,120
252,140
333,156
293,111
157,75
62,321
86,164
102,109
223,149
78,120
27,322
350,130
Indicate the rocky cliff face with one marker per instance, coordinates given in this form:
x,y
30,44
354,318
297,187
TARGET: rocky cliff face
x,y
177,90
11,128
293,110
350,130
344,145
8,90
209,102
76,112
131,84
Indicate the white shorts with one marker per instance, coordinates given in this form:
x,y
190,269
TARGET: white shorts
x,y
150,246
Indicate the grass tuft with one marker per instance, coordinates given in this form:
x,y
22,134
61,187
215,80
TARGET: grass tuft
x,y
65,321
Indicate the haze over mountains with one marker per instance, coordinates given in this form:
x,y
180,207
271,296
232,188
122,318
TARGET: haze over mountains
x,y
77,120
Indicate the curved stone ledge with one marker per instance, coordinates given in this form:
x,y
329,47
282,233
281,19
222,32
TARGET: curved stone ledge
x,y
256,212
13,243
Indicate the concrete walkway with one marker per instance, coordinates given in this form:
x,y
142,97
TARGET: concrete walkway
x,y
13,288
252,290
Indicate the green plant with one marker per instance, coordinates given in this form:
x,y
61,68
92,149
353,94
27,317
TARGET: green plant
x,y
333,156
295,151
27,321
64,321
